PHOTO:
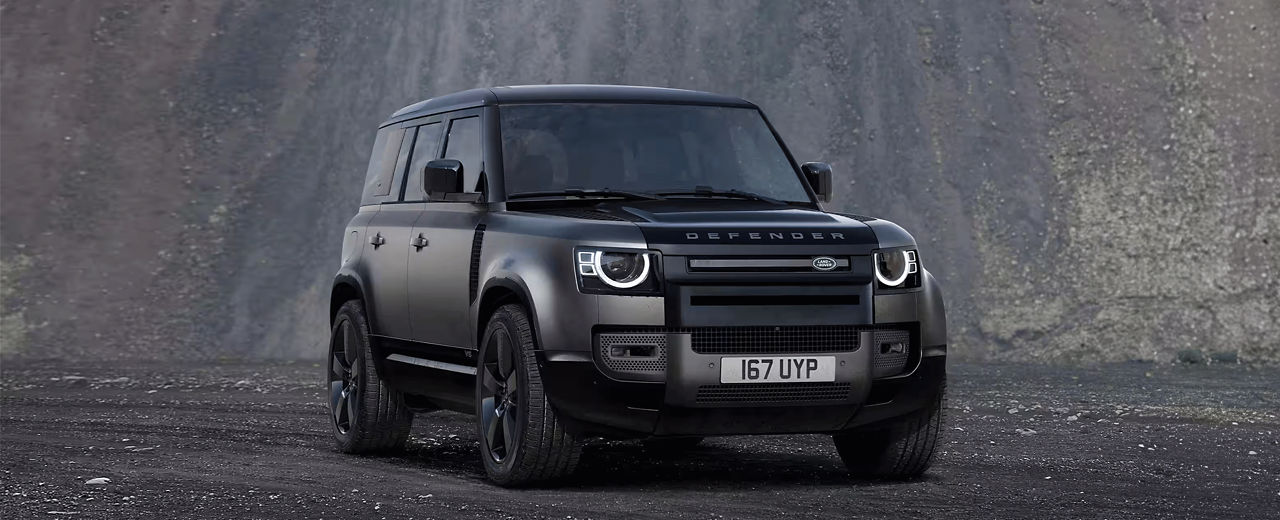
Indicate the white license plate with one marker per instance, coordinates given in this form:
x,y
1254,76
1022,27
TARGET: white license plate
x,y
778,369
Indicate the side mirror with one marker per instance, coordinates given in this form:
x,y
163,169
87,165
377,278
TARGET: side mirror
x,y
819,176
442,176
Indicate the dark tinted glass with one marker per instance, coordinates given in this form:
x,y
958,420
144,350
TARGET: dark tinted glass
x,y
382,162
637,147
424,150
463,144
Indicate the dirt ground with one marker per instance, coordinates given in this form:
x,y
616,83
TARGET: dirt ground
x,y
251,441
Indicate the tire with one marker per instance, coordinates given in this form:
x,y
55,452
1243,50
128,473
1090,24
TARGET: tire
x,y
671,445
522,442
902,450
366,414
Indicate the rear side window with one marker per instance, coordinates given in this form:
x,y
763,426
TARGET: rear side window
x,y
463,144
424,150
382,163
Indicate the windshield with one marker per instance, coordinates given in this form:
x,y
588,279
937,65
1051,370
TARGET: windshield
x,y
643,148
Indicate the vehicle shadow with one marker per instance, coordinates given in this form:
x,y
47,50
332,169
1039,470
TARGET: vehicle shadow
x,y
714,465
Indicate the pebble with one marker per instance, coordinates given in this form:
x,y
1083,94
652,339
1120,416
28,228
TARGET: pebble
x,y
1026,431
1073,418
98,481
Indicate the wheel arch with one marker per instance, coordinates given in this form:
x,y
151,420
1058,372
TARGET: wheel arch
x,y
346,287
498,292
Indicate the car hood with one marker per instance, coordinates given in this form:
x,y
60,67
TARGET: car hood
x,y
743,227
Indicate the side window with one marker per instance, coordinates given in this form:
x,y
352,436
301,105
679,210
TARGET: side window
x,y
382,162
463,144
424,150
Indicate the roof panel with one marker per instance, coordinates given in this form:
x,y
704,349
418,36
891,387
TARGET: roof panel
x,y
563,94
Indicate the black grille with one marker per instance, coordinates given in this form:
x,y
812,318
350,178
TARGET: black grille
x,y
583,213
774,340
477,241
765,393
859,218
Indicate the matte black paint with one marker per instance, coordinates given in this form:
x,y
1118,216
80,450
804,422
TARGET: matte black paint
x,y
429,283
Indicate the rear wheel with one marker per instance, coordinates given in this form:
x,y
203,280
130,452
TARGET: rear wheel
x,y
368,416
522,441
900,450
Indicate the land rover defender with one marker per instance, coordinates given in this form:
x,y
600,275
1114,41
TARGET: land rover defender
x,y
569,262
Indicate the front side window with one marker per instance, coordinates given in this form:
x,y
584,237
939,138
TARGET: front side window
x,y
463,144
424,150
645,148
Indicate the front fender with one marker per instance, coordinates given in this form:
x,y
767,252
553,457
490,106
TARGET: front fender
x,y
933,317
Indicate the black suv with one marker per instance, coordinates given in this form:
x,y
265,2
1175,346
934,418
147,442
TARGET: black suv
x,y
576,261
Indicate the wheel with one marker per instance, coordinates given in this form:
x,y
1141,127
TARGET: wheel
x,y
901,450
368,416
522,441
664,445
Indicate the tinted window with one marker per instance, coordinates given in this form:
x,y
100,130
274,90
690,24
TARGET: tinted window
x,y
424,150
652,148
463,144
386,146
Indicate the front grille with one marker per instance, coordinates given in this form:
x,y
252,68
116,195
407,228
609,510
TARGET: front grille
x,y
765,393
774,340
887,358
630,354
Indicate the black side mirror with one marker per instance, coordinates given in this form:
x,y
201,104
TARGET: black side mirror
x,y
819,176
442,176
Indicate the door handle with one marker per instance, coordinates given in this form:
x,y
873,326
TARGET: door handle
x,y
419,241
377,240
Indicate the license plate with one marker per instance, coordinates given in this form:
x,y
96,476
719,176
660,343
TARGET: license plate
x,y
778,369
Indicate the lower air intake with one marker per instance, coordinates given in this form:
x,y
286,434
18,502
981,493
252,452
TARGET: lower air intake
x,y
890,350
638,356
770,393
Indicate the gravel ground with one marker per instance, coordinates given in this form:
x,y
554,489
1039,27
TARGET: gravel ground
x,y
251,441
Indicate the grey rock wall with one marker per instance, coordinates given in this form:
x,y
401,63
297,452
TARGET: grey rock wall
x,y
1089,180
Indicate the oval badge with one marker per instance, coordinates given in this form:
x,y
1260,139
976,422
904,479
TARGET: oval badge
x,y
824,263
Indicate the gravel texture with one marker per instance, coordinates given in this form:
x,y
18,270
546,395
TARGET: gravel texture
x,y
252,441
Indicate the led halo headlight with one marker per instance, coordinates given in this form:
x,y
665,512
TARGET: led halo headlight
x,y
620,270
893,267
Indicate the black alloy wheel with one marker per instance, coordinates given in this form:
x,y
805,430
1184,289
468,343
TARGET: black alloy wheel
x,y
344,377
500,397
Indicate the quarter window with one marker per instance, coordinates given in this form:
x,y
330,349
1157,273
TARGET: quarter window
x,y
382,163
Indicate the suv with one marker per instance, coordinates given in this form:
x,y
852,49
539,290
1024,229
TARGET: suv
x,y
567,262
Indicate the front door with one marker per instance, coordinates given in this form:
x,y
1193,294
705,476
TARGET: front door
x,y
440,268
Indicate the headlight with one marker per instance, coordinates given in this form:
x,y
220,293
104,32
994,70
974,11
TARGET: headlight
x,y
897,269
611,271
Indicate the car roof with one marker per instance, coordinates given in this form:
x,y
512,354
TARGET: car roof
x,y
563,94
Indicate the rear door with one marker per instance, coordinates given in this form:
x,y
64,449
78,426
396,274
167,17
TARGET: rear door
x,y
388,245
440,270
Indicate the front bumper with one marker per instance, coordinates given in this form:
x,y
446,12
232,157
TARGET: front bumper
x,y
592,403
703,318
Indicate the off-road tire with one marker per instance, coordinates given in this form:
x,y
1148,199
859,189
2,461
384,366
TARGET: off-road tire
x,y
544,450
382,420
900,450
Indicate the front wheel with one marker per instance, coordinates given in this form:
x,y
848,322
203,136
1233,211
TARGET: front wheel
x,y
900,450
522,441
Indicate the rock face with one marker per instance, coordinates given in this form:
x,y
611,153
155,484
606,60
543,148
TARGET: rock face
x,y
1089,183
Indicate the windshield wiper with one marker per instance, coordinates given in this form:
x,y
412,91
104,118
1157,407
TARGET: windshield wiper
x,y
587,193
707,191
